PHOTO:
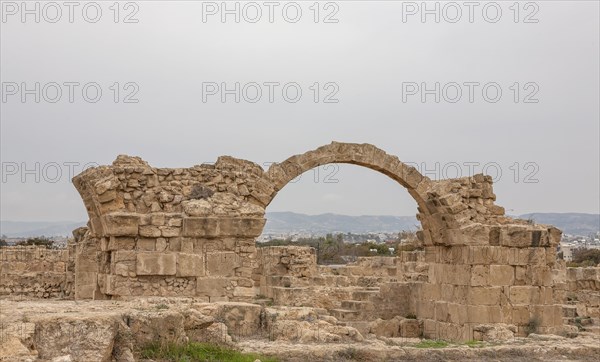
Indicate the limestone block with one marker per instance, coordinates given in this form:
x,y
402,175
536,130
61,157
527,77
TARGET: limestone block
x,y
161,244
124,255
520,314
426,309
524,294
458,313
126,269
540,275
120,243
431,291
212,287
201,227
480,275
488,255
169,231
502,275
430,329
175,244
411,328
522,277
243,292
150,231
456,274
484,295
187,246
221,264
157,219
441,311
484,314
225,226
175,221
455,293
386,328
547,315
453,332
523,236
121,224
474,234
190,265
146,244
156,263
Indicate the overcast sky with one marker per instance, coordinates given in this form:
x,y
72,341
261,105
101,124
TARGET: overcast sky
x,y
373,58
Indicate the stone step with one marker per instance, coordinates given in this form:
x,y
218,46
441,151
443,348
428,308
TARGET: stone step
x,y
358,305
265,302
345,314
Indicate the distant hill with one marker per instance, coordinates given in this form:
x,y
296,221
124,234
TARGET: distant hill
x,y
279,222
570,223
283,222
16,229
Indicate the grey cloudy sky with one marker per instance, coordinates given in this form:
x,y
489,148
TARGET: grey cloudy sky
x,y
541,132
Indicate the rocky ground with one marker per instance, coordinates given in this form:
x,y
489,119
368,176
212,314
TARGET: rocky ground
x,y
66,330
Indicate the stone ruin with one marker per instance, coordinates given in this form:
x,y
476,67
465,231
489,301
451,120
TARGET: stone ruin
x,y
190,232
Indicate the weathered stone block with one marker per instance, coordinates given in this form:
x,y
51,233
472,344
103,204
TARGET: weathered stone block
x,y
156,264
146,244
221,264
210,227
480,275
161,244
431,291
124,255
121,224
150,231
502,275
187,245
485,295
190,265
170,231
201,227
212,287
411,328
243,292
426,309
524,294
540,275
458,313
120,243
487,255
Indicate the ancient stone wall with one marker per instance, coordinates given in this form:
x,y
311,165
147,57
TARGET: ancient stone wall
x,y
35,272
582,294
191,232
472,285
172,232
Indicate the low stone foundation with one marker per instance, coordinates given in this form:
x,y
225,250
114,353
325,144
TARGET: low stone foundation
x,y
36,272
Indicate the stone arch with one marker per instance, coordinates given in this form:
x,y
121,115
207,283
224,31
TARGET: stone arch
x,y
366,155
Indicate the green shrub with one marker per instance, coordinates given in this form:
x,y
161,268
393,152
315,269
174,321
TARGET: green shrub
x,y
199,352
37,241
428,343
